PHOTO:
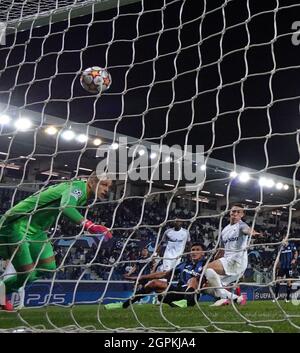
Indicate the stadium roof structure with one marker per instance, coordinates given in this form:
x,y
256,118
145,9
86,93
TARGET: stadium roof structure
x,y
37,154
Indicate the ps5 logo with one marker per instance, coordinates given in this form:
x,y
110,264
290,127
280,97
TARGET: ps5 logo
x,y
296,35
40,299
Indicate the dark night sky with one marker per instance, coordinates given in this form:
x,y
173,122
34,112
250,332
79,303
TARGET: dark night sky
x,y
194,93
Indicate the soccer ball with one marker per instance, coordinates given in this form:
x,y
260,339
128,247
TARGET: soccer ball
x,y
95,79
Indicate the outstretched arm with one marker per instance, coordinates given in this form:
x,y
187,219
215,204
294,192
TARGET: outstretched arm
x,y
69,202
155,275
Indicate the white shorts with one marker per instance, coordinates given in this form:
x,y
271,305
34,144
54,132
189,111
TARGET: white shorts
x,y
233,270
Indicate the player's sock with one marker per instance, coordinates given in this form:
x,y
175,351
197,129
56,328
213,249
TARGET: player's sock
x,y
288,292
190,297
141,293
13,283
277,286
214,281
238,291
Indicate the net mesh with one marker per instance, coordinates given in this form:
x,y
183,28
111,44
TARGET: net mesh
x,y
221,74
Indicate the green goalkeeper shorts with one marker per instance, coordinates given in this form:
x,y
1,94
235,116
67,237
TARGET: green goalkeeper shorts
x,y
33,241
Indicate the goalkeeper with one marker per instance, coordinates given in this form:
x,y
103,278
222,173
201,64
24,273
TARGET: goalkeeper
x,y
23,228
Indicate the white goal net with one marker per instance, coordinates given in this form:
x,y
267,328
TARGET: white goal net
x,y
200,114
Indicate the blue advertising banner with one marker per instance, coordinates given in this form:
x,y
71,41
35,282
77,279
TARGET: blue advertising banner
x,y
91,292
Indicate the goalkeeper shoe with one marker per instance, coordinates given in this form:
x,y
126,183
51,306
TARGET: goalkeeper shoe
x,y
113,306
180,303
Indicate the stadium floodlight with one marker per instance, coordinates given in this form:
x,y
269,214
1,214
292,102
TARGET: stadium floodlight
x,y
233,174
97,142
51,130
244,177
23,124
114,146
203,167
4,119
141,152
279,186
262,181
82,138
285,187
153,155
266,182
68,135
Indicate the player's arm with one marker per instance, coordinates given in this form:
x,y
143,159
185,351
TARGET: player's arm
x,y
295,256
154,275
69,202
133,269
246,230
188,244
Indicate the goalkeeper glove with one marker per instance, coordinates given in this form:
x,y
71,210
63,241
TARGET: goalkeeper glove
x,y
96,229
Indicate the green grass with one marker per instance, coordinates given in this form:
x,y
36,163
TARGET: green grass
x,y
258,316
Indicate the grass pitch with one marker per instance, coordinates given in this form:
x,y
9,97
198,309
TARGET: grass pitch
x,y
257,316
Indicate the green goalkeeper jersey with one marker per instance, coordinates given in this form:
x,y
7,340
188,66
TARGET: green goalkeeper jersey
x,y
45,206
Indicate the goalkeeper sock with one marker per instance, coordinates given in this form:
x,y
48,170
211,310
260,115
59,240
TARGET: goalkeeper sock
x,y
138,296
214,281
13,283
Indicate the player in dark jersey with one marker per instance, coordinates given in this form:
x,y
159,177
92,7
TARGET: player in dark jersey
x,y
287,260
23,228
187,273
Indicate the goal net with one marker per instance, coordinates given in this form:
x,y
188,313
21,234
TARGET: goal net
x,y
201,114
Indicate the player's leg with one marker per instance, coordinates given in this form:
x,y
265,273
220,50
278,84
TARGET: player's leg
x,y
31,260
189,297
149,287
280,275
174,296
288,285
213,272
42,254
24,266
153,286
217,266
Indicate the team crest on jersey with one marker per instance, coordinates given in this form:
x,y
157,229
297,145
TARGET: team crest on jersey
x,y
77,193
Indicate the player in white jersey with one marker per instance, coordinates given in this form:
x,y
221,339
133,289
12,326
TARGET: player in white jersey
x,y
229,264
176,240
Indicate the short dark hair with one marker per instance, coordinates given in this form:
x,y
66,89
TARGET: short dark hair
x,y
199,244
240,205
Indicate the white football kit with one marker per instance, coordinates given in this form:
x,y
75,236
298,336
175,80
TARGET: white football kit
x,y
176,242
235,259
